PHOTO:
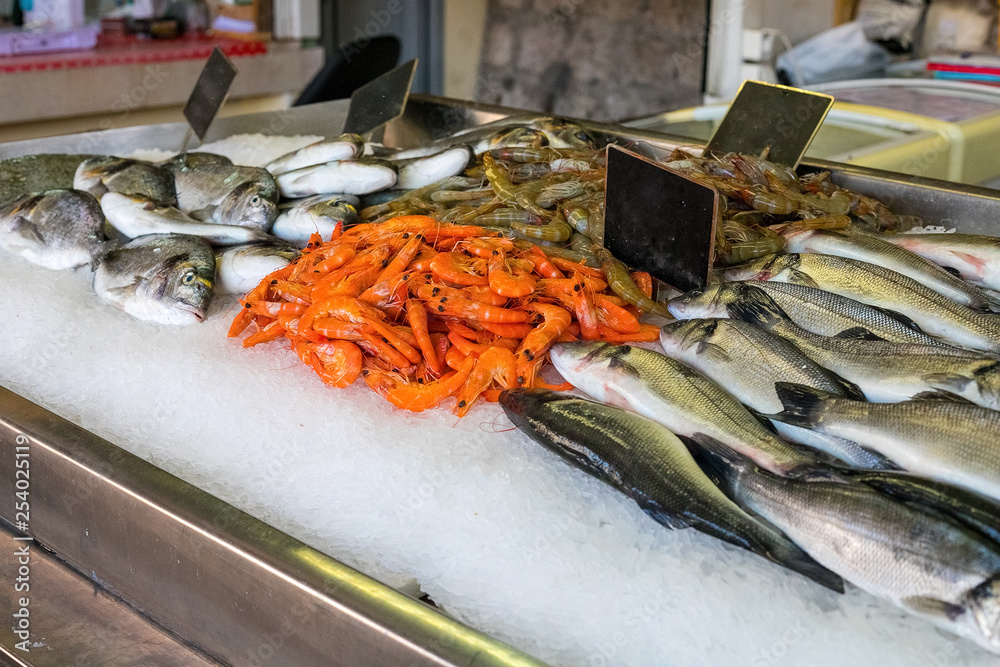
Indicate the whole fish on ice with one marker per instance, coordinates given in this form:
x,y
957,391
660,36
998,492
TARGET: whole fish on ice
x,y
105,173
652,466
164,278
353,177
422,171
815,310
924,562
673,394
343,147
57,229
319,214
211,190
878,250
136,216
240,268
878,286
975,257
946,440
748,361
885,371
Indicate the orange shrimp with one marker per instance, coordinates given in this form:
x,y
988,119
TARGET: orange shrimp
x,y
464,345
337,257
555,321
337,329
586,315
258,293
269,332
518,330
644,282
402,258
388,291
458,268
293,291
570,266
380,348
414,396
495,364
482,294
454,357
466,308
397,340
276,308
338,363
543,265
504,282
616,317
342,308
418,324
648,333
353,285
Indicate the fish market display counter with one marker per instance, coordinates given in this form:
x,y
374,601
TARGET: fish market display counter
x,y
233,501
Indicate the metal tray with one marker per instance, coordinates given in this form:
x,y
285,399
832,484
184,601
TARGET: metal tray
x,y
223,585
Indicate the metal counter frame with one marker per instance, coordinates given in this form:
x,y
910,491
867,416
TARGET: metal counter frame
x,y
231,586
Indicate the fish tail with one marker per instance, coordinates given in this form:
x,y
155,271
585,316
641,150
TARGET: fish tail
x,y
755,306
803,405
724,465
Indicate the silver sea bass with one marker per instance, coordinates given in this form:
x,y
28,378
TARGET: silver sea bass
x,y
343,147
878,286
164,278
353,177
975,257
815,310
921,561
748,361
885,371
673,394
58,229
945,440
878,250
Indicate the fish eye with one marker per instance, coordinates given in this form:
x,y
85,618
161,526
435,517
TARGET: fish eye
x,y
255,200
582,136
189,277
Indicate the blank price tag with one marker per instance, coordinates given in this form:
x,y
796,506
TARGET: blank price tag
x,y
380,100
763,116
209,93
658,221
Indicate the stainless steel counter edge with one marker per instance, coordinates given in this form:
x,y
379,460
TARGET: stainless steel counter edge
x,y
236,588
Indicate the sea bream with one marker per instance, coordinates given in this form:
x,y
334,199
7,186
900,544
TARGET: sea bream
x,y
105,173
975,257
57,229
240,268
748,361
163,278
651,466
885,371
930,435
922,561
867,247
136,216
342,147
353,177
875,285
419,172
210,190
815,310
319,214
673,394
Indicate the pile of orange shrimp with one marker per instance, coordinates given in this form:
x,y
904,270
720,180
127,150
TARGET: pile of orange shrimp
x,y
424,310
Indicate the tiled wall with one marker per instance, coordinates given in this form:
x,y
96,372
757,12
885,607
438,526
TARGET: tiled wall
x,y
598,59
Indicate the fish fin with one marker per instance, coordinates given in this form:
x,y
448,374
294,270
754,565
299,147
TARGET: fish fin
x,y
928,606
671,520
755,306
858,333
803,405
203,214
801,278
816,472
952,270
951,382
720,462
713,351
899,317
940,395
851,390
762,418
27,230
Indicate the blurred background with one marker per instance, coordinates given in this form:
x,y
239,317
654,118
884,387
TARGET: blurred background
x,y
915,80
